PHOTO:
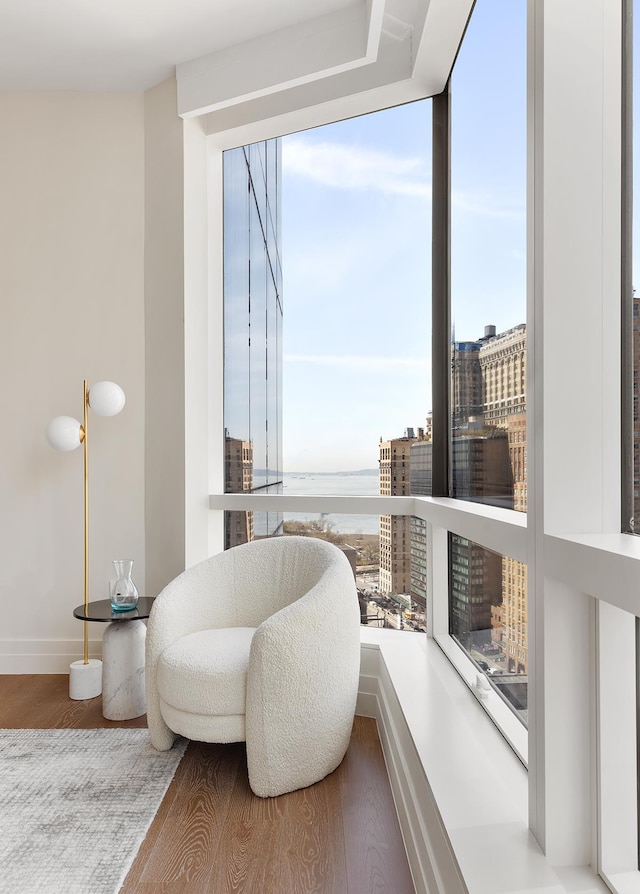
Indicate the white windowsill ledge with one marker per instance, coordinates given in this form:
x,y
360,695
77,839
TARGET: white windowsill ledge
x,y
441,748
590,562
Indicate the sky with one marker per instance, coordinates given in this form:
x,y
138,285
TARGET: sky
x,y
356,250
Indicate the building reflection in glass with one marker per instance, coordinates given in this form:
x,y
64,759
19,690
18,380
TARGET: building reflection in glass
x,y
252,334
488,592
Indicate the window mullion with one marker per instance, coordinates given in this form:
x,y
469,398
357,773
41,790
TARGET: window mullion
x,y
441,291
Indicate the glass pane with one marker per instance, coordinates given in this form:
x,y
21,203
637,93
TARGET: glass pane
x,y
488,452
363,531
488,252
341,215
356,218
488,616
635,263
634,525
359,536
253,334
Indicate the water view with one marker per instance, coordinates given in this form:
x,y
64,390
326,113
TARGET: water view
x,y
360,483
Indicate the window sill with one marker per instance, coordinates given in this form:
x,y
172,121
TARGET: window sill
x,y
589,562
510,726
460,790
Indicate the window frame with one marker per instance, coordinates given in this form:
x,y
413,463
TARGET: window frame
x,y
570,570
509,724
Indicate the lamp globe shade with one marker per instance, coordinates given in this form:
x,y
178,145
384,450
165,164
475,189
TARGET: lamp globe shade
x,y
106,398
64,433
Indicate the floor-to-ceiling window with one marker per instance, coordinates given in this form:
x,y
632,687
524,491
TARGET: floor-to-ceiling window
x,y
561,570
327,338
488,445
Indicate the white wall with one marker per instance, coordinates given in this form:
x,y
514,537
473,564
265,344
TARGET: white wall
x,y
164,316
72,303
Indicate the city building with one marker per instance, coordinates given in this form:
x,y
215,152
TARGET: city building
x,y
475,588
418,568
481,472
510,626
503,367
420,482
481,468
395,530
517,440
238,470
492,469
467,400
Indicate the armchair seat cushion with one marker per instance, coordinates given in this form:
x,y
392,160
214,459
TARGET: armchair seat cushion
x,y
206,672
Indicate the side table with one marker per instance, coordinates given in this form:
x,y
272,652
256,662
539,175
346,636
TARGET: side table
x,y
123,642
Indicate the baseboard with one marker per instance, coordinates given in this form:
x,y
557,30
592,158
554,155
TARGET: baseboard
x,y
431,858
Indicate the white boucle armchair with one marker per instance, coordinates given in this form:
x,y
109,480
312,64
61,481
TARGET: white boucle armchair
x,y
260,644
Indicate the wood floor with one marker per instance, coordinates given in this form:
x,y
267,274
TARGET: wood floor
x,y
211,835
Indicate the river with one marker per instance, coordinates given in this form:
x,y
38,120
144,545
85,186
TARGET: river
x,y
335,484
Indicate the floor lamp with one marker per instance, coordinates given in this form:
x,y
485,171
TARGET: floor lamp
x,y
66,433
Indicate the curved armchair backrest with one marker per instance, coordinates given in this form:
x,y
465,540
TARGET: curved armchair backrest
x,y
243,586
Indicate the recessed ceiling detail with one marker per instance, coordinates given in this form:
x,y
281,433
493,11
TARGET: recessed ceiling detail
x,y
228,54
357,48
318,48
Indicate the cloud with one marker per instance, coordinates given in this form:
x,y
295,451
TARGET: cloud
x,y
341,166
486,205
354,168
368,363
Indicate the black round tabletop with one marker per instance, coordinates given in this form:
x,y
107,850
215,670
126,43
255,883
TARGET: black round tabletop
x,y
102,611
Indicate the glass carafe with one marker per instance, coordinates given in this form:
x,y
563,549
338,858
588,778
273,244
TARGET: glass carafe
x,y
124,593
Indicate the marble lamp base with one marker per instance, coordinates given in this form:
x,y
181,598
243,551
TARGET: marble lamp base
x,y
123,689
85,680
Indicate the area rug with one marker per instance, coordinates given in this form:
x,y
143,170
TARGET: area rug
x,y
75,805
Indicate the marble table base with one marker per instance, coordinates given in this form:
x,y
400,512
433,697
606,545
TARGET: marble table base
x,y
123,692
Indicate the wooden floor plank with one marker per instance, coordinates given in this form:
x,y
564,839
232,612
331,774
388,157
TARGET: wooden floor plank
x,y
298,835
377,859
188,839
212,835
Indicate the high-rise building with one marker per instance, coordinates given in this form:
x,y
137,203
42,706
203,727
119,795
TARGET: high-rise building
x,y
502,361
395,530
510,620
475,586
480,472
238,473
418,568
420,483
466,383
253,332
496,475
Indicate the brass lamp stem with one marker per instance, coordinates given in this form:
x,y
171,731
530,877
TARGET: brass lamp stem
x,y
85,447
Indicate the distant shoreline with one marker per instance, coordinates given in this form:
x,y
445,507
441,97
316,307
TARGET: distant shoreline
x,y
262,473
345,473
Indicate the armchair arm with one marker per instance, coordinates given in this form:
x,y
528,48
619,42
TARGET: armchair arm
x,y
195,600
302,685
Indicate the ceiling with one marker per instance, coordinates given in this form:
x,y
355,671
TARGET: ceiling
x,y
239,60
131,44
